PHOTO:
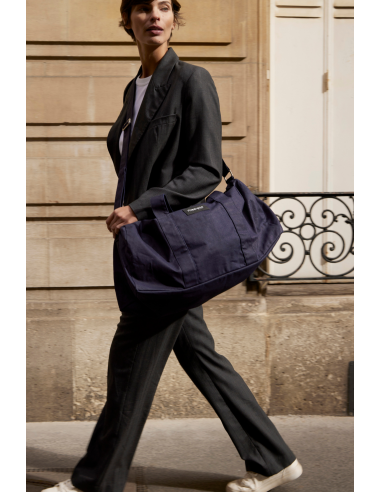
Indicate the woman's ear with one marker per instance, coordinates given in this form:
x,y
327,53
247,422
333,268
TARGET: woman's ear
x,y
127,24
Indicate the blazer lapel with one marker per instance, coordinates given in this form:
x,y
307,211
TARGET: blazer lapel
x,y
154,96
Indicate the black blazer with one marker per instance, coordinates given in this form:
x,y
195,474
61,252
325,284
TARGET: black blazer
x,y
175,146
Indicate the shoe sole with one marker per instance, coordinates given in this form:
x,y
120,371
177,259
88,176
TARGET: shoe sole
x,y
290,473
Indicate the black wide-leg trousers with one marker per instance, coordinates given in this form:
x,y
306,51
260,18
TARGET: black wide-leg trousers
x,y
138,354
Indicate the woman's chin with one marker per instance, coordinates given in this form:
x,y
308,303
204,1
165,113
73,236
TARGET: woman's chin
x,y
154,41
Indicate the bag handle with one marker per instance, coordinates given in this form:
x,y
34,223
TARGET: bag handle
x,y
162,211
160,206
249,248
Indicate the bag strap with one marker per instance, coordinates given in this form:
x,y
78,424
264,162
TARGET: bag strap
x,y
236,216
226,171
176,241
160,206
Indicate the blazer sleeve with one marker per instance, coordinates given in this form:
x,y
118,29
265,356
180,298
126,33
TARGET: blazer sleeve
x,y
202,130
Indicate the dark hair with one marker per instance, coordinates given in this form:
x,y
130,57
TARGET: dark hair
x,y
126,8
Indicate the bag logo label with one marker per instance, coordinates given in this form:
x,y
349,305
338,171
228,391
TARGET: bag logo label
x,y
195,209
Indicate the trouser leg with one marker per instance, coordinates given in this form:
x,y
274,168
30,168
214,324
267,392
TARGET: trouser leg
x,y
138,354
252,432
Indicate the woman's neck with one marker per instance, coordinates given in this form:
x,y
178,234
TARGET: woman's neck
x,y
150,57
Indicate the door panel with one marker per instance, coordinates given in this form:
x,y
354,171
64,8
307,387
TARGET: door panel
x,y
311,122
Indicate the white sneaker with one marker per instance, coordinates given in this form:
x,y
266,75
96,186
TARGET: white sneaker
x,y
65,486
254,482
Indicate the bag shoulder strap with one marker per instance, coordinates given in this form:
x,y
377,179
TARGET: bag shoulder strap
x,y
226,171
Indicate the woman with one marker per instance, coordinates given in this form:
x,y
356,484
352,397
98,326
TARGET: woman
x,y
167,139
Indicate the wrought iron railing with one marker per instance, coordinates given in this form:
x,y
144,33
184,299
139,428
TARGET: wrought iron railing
x,y
317,240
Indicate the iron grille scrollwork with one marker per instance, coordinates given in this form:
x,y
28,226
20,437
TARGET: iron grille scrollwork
x,y
321,227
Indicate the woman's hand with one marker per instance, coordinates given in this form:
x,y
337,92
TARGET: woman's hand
x,y
120,217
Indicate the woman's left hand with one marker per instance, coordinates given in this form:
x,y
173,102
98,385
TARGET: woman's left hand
x,y
120,217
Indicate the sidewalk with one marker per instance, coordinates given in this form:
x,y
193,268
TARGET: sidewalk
x,y
193,455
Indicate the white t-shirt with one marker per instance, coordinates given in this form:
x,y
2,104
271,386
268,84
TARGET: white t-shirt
x,y
141,87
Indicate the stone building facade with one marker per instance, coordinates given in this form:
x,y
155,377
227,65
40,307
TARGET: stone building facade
x,y
283,72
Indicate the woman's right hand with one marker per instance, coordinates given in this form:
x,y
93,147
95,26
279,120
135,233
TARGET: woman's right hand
x,y
120,216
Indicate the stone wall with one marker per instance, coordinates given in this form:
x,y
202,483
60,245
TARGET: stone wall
x,y
292,347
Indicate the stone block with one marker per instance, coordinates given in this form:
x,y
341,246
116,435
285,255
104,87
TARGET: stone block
x,y
312,304
46,20
97,21
83,180
49,370
105,294
292,353
91,92
69,254
69,336
310,352
96,99
240,335
92,337
81,262
82,172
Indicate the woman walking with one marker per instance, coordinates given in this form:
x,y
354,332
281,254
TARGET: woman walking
x,y
167,139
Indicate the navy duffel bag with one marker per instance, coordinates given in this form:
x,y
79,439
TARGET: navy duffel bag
x,y
181,259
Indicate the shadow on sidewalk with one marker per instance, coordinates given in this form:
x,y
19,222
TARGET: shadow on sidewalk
x,y
47,468
180,479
